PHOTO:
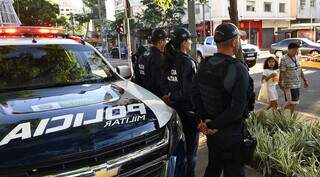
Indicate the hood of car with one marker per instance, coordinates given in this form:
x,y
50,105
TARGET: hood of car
x,y
50,125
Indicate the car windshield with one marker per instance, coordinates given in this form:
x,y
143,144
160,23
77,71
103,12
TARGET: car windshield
x,y
38,66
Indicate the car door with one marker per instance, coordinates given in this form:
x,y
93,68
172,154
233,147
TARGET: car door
x,y
209,47
305,48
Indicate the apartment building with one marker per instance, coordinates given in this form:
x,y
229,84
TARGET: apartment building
x,y
68,7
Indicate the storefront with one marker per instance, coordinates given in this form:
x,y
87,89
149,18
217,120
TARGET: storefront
x,y
253,29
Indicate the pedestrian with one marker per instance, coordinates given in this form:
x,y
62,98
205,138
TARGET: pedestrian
x,y
178,70
270,78
147,70
290,74
221,95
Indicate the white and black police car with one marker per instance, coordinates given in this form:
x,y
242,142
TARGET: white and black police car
x,y
65,111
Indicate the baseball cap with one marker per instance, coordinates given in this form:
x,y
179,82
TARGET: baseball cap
x,y
225,32
293,45
157,35
180,34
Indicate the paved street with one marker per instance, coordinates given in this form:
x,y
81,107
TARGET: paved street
x,y
117,62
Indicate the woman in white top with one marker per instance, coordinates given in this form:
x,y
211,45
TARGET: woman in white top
x,y
270,78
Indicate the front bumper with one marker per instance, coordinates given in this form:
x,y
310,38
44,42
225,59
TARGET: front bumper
x,y
117,167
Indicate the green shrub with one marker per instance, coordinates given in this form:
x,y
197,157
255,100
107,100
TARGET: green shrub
x,y
287,146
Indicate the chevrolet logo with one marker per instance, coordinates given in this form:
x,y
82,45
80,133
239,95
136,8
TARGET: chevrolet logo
x,y
107,172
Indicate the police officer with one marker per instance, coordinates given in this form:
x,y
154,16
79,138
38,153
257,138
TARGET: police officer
x,y
138,54
221,91
147,71
178,70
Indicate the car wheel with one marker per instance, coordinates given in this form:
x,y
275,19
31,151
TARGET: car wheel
x,y
279,53
199,57
314,52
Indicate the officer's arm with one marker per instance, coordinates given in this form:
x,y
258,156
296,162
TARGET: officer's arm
x,y
156,72
164,84
187,76
239,102
196,98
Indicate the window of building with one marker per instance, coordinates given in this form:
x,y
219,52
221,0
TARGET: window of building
x,y
267,6
312,3
207,9
67,9
282,7
302,4
251,5
197,10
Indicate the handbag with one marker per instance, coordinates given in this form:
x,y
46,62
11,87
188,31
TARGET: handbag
x,y
249,145
263,94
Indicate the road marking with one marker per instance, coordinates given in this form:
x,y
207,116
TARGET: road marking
x,y
307,71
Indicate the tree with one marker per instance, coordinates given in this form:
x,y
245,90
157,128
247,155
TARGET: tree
x,y
155,16
38,13
233,13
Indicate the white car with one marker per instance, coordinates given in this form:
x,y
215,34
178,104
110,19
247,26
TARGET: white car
x,y
209,47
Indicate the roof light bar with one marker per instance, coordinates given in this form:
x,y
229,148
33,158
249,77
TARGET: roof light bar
x,y
29,30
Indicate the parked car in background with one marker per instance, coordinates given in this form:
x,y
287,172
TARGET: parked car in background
x,y
307,46
115,53
209,47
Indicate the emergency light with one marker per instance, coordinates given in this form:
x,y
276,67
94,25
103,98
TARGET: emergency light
x,y
29,30
36,31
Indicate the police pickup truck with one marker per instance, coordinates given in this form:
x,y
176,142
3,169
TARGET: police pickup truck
x,y
65,111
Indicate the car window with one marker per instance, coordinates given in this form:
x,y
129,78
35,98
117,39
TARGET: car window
x,y
209,41
285,43
47,65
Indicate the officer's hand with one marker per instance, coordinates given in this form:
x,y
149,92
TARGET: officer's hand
x,y
212,131
166,99
205,130
202,127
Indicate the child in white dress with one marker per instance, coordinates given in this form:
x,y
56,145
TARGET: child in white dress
x,y
270,77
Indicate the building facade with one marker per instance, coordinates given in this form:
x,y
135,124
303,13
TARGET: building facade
x,y
263,20
307,23
8,16
68,7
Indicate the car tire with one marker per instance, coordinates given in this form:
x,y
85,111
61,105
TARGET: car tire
x,y
279,53
199,57
314,52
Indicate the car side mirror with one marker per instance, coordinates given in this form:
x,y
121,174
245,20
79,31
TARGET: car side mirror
x,y
124,71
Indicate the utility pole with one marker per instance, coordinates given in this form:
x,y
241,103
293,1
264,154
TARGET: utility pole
x,y
192,27
72,23
127,22
204,21
233,13
102,31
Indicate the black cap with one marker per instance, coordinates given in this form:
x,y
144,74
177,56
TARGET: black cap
x,y
157,35
225,32
293,45
179,35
